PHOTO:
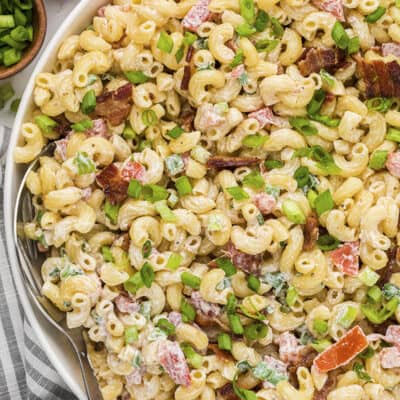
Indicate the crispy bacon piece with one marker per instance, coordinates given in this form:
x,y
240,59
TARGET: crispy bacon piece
x,y
187,74
198,14
115,105
317,58
289,348
329,385
243,261
311,232
334,7
391,49
382,79
305,358
187,117
222,162
127,305
265,116
343,351
99,128
226,392
221,354
390,357
265,203
392,266
133,170
174,362
346,258
393,163
114,186
189,54
207,313
63,127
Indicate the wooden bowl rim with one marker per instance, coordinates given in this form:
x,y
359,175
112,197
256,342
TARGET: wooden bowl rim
x,y
28,57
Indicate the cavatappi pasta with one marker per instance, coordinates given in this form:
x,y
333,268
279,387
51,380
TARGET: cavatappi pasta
x,y
221,210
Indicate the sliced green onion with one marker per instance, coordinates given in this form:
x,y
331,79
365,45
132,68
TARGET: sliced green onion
x,y
303,125
19,17
271,164
327,77
15,105
128,133
193,358
107,255
354,45
166,326
390,290
147,274
393,135
381,104
293,212
7,21
291,296
262,20
374,294
302,176
376,15
134,283
183,186
226,265
367,353
314,106
131,334
340,36
238,59
320,345
378,159
46,124
190,280
149,117
88,104
245,30
224,341
253,283
348,317
84,164
324,202
273,190
235,324
167,215
136,77
277,28
327,242
326,120
82,126
179,54
231,304
247,10
188,311
254,141
254,180
174,261
165,42
154,193
175,132
20,34
237,193
134,189
266,45
189,38
358,368
24,4
311,196
146,249
320,326
378,315
255,331
368,277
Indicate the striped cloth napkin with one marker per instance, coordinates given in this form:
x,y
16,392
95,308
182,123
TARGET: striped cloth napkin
x,y
25,371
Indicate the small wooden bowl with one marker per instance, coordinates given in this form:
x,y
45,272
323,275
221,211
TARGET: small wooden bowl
x,y
39,22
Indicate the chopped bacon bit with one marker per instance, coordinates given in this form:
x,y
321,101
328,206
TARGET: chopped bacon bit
x,y
115,105
311,232
125,241
198,14
133,170
392,266
265,116
226,392
221,354
246,262
60,153
222,162
334,7
346,258
207,313
320,58
127,305
100,11
390,357
113,184
208,117
232,44
175,318
343,351
189,54
187,117
238,71
63,127
41,248
173,361
289,348
329,385
382,79
391,49
187,73
393,163
265,203
99,128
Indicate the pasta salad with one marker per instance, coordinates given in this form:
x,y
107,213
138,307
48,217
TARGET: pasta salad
x,y
221,210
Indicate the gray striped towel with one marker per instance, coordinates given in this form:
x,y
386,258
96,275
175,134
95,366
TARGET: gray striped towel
x,y
25,371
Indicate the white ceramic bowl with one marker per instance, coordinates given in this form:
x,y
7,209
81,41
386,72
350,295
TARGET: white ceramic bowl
x,y
56,348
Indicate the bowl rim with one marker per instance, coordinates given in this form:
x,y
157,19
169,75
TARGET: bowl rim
x,y
11,183
37,44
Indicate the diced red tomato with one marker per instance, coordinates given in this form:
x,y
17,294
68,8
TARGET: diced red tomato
x,y
346,258
265,116
334,7
133,170
265,203
198,14
390,357
174,362
391,49
393,164
343,351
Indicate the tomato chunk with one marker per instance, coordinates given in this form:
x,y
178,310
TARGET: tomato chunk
x,y
133,170
346,258
343,351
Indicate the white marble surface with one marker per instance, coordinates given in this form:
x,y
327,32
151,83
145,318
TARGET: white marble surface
x,y
56,11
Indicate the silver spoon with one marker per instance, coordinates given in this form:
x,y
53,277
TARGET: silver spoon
x,y
30,262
